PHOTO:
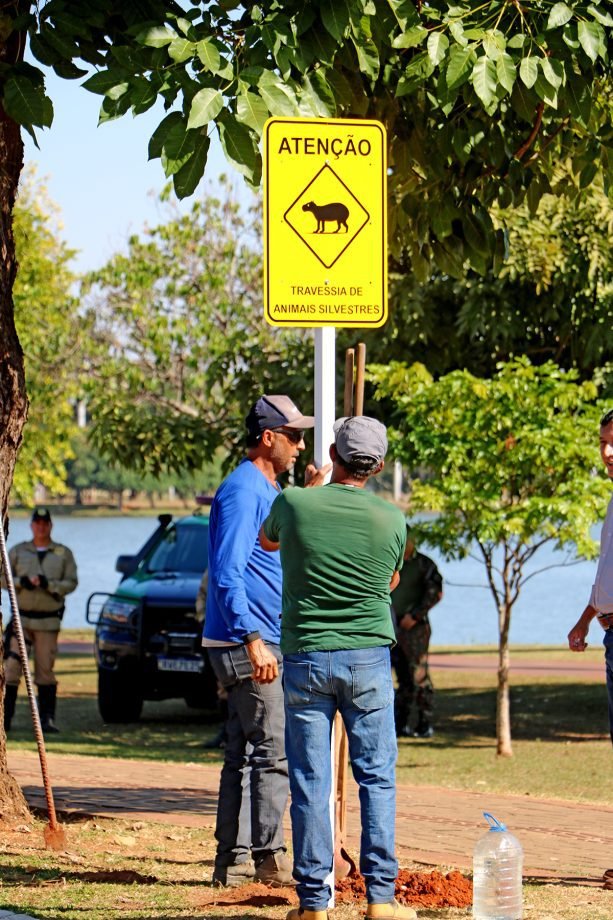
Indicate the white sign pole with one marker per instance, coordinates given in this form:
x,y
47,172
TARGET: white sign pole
x,y
325,404
325,394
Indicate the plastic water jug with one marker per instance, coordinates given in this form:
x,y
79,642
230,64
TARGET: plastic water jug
x,y
497,874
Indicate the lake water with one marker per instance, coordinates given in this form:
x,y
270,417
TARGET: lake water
x,y
549,604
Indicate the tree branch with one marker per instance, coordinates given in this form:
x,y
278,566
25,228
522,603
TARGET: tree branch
x,y
521,151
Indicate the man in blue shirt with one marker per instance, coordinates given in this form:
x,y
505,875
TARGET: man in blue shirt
x,y
242,635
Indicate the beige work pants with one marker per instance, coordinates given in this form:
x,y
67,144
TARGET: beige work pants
x,y
44,645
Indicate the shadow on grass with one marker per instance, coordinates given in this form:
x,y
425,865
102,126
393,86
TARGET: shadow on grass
x,y
167,731
543,711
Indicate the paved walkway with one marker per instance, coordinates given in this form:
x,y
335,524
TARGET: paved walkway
x,y
435,826
584,667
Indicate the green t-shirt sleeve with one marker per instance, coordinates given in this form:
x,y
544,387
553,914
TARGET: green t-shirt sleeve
x,y
272,524
402,540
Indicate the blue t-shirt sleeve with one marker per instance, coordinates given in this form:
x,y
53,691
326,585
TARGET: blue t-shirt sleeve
x,y
238,524
271,525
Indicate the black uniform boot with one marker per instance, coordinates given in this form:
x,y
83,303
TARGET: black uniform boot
x,y
46,708
10,698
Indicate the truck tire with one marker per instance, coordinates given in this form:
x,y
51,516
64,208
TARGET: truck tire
x,y
119,699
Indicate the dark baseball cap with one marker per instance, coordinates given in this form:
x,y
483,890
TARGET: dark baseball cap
x,y
41,514
271,412
360,436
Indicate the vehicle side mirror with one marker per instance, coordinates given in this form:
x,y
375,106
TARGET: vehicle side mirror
x,y
126,564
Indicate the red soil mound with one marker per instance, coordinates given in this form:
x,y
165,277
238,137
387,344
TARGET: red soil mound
x,y
419,889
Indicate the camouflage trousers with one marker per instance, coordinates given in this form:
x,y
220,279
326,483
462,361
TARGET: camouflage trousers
x,y
410,661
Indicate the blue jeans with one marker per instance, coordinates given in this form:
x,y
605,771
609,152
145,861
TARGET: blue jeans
x,y
358,684
255,765
608,657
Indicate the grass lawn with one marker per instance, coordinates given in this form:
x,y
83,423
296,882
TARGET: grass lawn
x,y
143,871
560,730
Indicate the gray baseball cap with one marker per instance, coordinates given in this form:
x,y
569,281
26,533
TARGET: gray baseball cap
x,y
276,411
360,436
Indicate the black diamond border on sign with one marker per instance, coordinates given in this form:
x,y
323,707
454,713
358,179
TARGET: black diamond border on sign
x,y
285,218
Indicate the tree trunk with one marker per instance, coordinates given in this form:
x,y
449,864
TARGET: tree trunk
x,y
13,400
503,700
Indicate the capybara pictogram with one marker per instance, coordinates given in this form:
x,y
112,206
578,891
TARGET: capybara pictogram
x,y
325,212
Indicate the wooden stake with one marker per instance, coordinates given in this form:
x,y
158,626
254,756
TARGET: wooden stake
x,y
358,401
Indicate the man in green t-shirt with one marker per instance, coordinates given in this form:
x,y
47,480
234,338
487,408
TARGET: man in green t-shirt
x,y
341,550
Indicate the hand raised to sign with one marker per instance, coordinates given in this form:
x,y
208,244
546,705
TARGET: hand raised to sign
x,y
314,476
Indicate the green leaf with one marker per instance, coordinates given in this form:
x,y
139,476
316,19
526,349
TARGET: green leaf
x,y
494,44
404,11
26,103
528,71
419,69
506,71
367,52
340,87
142,95
553,78
457,30
605,18
460,66
104,81
69,71
315,102
476,233
587,174
591,36
411,38
559,15
517,41
180,49
206,105
117,91
158,138
179,142
156,36
437,45
208,55
276,95
252,111
186,179
546,91
484,80
335,17
579,99
238,145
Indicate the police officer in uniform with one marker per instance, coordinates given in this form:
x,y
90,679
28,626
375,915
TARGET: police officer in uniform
x,y
419,589
44,573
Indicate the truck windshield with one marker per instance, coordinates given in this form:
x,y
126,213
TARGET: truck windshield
x,y
183,548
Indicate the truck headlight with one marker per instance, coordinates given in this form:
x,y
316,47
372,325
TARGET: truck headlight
x,y
117,611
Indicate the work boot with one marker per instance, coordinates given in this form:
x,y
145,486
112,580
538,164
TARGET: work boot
x,y
275,870
235,875
10,698
391,911
301,913
423,729
47,695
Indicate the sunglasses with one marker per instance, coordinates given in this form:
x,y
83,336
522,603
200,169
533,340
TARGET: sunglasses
x,y
292,434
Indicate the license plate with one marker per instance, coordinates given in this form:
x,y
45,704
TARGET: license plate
x,y
180,664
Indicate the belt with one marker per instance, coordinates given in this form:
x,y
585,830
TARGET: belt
x,y
41,614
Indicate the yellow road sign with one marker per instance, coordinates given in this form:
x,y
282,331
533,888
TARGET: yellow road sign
x,y
325,222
